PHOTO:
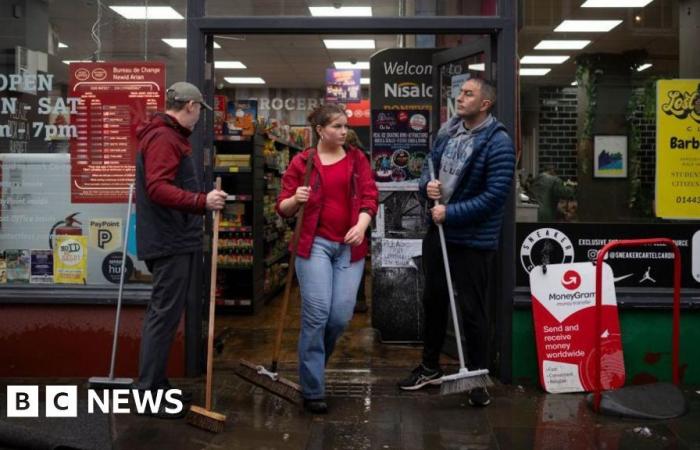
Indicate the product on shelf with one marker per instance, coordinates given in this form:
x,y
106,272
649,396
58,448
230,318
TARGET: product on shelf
x,y
227,161
232,215
219,114
242,116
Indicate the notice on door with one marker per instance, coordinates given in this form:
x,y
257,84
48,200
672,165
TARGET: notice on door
x,y
115,98
563,308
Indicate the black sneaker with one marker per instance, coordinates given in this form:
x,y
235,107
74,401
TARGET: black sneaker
x,y
421,377
316,406
479,397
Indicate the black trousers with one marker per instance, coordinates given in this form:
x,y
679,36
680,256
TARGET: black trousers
x,y
172,289
470,270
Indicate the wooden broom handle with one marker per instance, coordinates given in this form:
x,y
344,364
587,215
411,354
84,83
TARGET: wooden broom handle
x,y
290,270
212,301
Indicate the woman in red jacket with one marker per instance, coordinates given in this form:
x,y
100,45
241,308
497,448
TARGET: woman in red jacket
x,y
341,200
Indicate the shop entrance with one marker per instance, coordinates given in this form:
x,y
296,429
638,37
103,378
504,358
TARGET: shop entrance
x,y
249,336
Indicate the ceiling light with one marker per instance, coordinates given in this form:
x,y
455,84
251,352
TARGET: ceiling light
x,y
181,43
616,3
364,80
643,67
62,45
480,67
229,65
141,12
561,45
587,26
350,65
68,61
346,11
543,59
348,43
534,72
244,80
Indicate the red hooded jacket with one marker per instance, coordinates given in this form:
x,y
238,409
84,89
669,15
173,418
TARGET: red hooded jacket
x,y
363,196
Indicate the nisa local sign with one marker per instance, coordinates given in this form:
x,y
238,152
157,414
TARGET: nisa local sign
x,y
402,78
407,90
678,149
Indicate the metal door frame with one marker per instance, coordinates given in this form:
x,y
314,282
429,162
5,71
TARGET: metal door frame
x,y
200,72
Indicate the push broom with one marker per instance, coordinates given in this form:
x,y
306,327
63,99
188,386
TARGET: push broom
x,y
204,417
110,381
269,379
464,380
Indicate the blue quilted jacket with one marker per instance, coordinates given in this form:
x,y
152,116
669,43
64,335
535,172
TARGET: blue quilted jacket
x,y
475,210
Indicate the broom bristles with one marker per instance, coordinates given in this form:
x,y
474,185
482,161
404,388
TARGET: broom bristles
x,y
280,386
205,419
465,381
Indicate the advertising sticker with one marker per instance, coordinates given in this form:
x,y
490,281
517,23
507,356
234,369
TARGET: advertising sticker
x,y
70,260
400,144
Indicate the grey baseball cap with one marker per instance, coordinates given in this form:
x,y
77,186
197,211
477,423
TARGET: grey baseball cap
x,y
183,91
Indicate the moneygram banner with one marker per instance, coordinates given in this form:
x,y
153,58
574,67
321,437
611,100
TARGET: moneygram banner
x,y
563,310
678,149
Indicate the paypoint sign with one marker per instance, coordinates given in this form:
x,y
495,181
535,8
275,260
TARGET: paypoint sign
x,y
678,149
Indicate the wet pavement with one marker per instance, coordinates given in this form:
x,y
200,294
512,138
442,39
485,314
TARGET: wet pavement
x,y
375,415
367,411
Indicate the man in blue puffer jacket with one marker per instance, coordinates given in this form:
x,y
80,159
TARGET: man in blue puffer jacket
x,y
474,160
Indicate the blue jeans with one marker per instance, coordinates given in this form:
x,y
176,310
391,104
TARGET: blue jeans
x,y
328,282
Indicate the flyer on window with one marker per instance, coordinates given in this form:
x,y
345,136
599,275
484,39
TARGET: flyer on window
x,y
70,259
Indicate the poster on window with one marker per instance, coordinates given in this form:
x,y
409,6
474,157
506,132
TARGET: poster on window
x,y
115,98
610,157
70,260
678,149
343,86
563,311
41,266
399,145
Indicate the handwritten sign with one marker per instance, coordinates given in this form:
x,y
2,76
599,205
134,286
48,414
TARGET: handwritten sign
x,y
399,252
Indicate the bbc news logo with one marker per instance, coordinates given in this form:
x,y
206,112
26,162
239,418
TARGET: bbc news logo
x,y
62,401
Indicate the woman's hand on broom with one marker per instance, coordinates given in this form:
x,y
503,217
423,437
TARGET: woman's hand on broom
x,y
302,194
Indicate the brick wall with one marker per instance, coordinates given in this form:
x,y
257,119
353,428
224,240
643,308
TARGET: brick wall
x,y
557,130
647,148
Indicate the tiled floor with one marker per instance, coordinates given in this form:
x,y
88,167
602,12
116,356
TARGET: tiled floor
x,y
368,412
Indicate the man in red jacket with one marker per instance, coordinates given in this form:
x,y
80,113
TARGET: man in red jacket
x,y
170,204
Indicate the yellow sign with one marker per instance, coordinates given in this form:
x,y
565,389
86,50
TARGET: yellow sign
x,y
106,234
678,149
70,259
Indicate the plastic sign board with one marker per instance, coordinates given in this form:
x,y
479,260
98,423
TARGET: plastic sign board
x,y
678,149
115,98
563,309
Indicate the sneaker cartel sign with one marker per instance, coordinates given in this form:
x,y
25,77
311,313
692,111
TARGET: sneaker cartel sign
x,y
563,309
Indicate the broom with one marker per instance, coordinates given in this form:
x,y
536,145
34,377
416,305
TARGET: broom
x,y
464,380
258,374
204,417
